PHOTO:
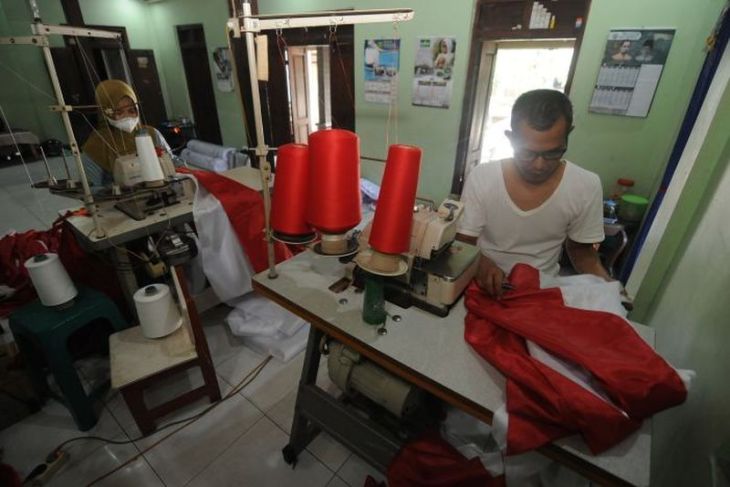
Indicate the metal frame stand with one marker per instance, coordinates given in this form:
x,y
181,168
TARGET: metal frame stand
x,y
248,25
316,411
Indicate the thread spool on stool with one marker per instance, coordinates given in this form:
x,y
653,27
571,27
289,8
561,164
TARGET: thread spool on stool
x,y
157,311
51,281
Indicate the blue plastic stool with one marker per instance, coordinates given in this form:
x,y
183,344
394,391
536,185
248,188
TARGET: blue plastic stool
x,y
40,328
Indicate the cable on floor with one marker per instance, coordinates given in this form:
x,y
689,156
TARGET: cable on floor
x,y
247,379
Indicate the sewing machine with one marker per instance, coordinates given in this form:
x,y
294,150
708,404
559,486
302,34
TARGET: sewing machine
x,y
439,268
144,198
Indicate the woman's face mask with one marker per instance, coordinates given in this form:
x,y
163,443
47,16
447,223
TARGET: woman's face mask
x,y
126,124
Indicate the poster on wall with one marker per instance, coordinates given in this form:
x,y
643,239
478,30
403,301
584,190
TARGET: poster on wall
x,y
632,65
433,71
382,61
223,69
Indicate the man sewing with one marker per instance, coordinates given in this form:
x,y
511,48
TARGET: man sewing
x,y
522,210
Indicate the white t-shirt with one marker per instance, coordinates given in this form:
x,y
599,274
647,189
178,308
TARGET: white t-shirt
x,y
509,235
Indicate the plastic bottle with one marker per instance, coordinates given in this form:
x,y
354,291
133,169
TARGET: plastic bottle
x,y
623,186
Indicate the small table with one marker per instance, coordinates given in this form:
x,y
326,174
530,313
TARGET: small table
x,y
424,350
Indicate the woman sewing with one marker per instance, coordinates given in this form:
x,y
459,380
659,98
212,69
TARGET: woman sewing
x,y
114,135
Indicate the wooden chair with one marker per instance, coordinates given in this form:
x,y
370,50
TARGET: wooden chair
x,y
138,363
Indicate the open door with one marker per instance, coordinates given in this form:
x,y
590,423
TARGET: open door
x,y
299,89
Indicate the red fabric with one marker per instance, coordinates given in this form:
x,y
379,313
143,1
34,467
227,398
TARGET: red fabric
x,y
430,461
245,210
83,268
543,405
9,477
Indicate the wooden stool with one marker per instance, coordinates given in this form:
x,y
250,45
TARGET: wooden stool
x,y
138,362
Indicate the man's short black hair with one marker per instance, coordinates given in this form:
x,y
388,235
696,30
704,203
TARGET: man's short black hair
x,y
541,109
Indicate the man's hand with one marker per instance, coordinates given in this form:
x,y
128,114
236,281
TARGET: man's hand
x,y
490,277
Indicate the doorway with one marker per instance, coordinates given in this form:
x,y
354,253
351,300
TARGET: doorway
x,y
200,84
508,69
311,83
308,81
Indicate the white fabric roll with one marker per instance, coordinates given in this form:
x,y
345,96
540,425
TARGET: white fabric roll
x,y
157,312
211,163
151,168
50,279
210,150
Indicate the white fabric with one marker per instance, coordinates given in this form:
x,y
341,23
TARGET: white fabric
x,y
215,164
280,346
211,150
224,262
508,235
254,315
472,439
267,327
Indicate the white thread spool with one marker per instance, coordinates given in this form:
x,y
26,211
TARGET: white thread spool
x,y
152,173
157,312
50,280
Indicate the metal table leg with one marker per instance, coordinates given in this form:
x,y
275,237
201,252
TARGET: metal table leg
x,y
302,430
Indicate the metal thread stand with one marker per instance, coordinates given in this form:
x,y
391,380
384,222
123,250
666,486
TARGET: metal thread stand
x,y
40,39
248,25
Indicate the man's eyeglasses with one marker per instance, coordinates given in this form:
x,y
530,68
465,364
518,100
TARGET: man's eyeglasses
x,y
528,155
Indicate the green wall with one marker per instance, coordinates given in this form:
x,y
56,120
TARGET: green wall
x,y
25,99
690,315
165,16
645,144
153,26
636,148
149,26
435,130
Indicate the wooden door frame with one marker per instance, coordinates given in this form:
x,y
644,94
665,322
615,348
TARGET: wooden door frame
x,y
472,79
186,27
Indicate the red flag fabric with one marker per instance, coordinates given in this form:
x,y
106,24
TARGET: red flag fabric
x,y
245,210
544,405
84,268
430,461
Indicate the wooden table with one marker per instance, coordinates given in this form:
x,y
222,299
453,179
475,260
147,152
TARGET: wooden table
x,y
425,350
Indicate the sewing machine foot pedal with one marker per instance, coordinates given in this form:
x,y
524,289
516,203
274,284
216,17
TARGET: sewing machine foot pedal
x,y
290,455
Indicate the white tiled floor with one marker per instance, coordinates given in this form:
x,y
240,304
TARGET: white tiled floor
x,y
238,442
25,208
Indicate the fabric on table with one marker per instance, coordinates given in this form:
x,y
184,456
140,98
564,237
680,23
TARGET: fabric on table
x,y
244,208
545,405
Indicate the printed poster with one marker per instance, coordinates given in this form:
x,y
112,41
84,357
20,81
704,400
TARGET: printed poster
x,y
223,69
630,71
433,72
382,61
